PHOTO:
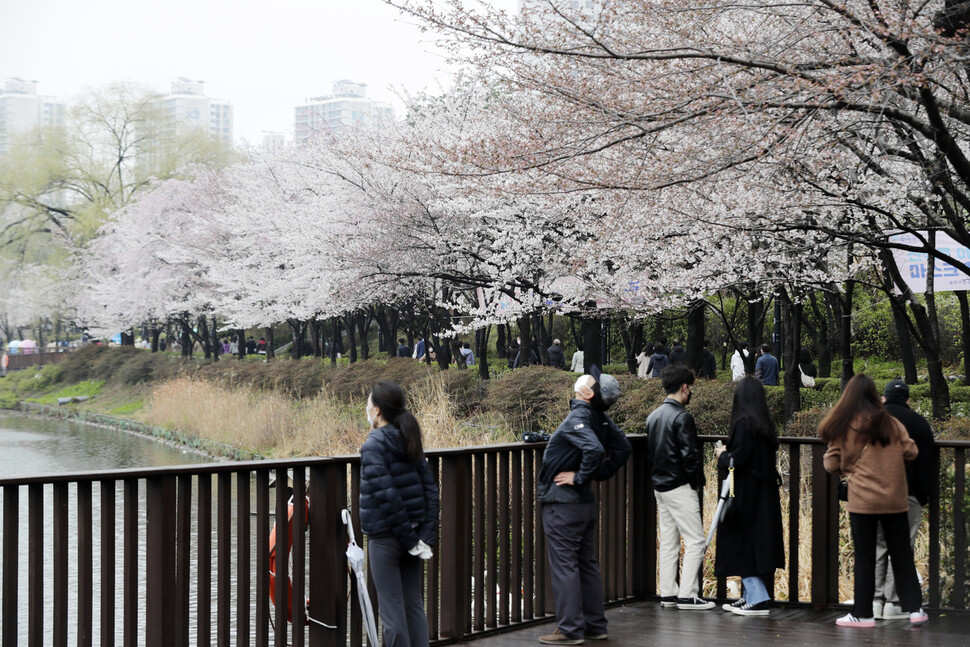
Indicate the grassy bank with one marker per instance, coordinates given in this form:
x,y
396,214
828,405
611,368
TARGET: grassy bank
x,y
308,407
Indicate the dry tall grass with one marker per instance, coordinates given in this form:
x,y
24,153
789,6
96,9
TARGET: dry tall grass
x,y
269,423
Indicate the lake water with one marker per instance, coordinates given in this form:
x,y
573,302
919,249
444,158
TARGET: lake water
x,y
38,447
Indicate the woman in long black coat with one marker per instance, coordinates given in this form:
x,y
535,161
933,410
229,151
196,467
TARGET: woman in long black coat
x,y
749,540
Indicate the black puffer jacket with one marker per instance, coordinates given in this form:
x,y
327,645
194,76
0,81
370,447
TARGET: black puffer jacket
x,y
587,442
673,447
398,497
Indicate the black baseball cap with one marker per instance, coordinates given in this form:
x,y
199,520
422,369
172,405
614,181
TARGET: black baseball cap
x,y
896,390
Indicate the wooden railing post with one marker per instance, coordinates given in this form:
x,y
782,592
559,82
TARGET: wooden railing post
x,y
643,521
455,545
328,560
162,589
825,532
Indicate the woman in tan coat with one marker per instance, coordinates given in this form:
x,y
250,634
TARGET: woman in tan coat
x,y
870,447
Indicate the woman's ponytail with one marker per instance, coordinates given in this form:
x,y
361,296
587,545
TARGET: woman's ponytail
x,y
411,431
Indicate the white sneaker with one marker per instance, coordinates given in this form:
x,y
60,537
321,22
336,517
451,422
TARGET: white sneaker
x,y
849,620
918,617
877,609
892,612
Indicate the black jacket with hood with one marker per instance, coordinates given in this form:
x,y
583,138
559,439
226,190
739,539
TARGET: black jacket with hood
x,y
587,442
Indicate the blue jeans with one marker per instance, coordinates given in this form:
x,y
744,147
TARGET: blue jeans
x,y
754,590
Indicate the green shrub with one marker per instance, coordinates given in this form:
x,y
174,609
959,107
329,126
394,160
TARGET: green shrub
x,y
78,365
638,398
143,367
805,422
532,398
465,390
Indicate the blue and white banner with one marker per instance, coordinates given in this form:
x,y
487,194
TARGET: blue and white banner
x,y
912,265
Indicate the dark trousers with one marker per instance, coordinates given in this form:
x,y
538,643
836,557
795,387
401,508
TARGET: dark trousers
x,y
398,579
896,529
576,585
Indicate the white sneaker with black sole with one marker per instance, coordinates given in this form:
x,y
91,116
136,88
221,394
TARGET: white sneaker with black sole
x,y
694,604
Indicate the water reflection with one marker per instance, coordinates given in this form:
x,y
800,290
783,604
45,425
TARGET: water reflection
x,y
39,446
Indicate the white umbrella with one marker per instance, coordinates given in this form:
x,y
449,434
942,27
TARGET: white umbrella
x,y
725,491
355,557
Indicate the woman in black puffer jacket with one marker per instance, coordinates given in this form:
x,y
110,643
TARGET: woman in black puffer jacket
x,y
398,513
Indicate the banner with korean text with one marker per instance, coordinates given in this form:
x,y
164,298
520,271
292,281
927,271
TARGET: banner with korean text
x,y
946,277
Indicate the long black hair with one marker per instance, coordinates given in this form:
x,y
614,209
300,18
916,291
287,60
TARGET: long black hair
x,y
751,405
390,399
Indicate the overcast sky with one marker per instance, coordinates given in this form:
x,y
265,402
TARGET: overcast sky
x,y
265,57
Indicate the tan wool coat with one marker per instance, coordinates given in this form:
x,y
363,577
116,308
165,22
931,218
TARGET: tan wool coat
x,y
877,476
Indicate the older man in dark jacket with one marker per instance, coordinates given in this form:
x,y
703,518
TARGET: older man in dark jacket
x,y
557,358
587,447
678,473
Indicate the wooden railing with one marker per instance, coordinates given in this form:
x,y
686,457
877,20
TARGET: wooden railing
x,y
19,361
179,556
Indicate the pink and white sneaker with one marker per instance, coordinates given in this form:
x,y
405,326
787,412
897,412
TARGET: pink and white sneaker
x,y
849,620
918,617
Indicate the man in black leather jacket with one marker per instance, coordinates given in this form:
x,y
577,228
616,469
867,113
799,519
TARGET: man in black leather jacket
x,y
587,447
678,473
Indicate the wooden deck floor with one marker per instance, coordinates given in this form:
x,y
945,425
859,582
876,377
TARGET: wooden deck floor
x,y
644,624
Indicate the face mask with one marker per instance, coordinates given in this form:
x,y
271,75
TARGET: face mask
x,y
371,420
597,401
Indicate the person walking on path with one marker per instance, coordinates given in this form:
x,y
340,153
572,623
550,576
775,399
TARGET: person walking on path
x,y
587,447
737,362
658,361
766,368
398,513
557,358
678,355
678,474
403,350
750,543
871,448
708,363
576,365
919,482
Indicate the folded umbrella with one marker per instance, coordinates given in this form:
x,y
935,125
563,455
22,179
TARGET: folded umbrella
x,y
355,557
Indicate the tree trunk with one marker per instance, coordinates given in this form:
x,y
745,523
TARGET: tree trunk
x,y
695,335
297,333
481,350
241,343
793,378
351,338
592,331
501,347
544,340
823,337
525,332
756,310
965,327
216,344
186,339
845,333
315,329
156,333
363,324
939,388
270,343
926,336
906,351
334,340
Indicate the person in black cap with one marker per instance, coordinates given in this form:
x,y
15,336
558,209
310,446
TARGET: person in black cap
x,y
919,479
587,447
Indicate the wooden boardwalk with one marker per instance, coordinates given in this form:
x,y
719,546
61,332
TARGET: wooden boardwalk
x,y
645,624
